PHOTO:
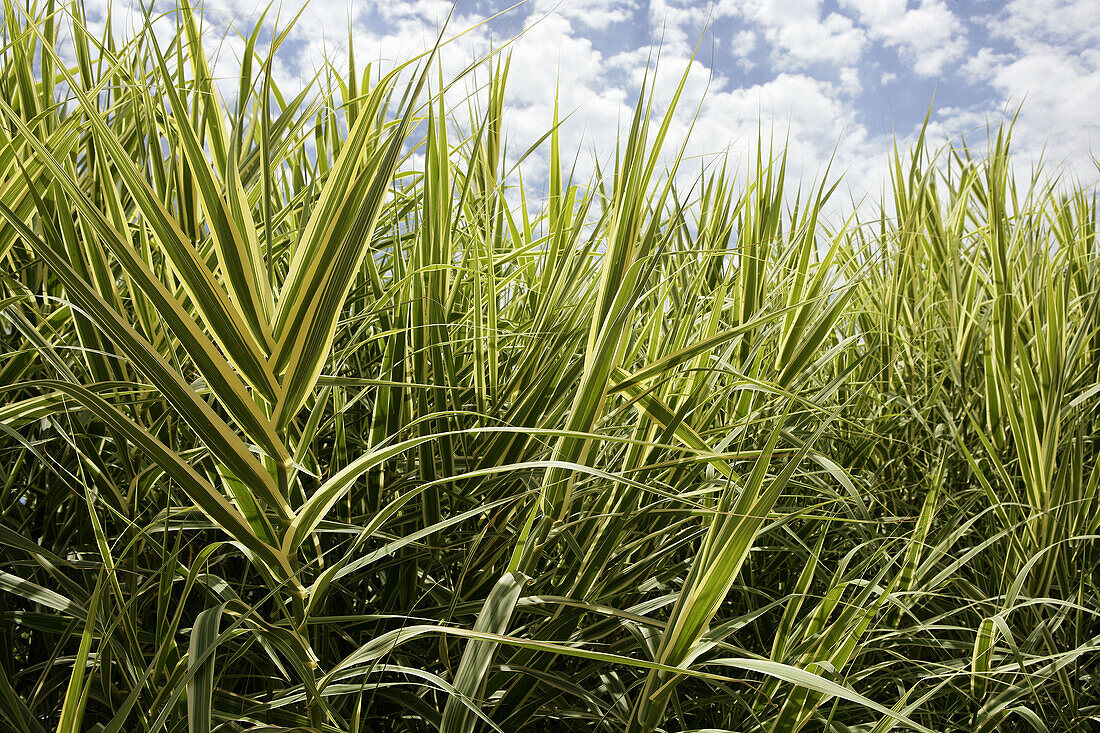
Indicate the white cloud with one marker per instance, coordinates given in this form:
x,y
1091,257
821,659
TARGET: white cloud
x,y
676,24
741,45
849,81
799,36
551,60
1049,63
815,108
1063,23
982,65
595,14
1060,94
929,36
714,117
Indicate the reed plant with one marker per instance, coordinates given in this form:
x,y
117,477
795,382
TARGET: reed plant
x,y
316,417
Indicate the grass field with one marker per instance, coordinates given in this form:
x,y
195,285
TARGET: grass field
x,y
312,418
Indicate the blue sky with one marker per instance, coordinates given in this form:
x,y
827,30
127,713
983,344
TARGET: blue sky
x,y
838,78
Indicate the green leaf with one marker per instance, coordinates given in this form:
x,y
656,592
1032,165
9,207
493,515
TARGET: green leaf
x,y
201,658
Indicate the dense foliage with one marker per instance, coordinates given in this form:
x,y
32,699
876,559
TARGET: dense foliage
x,y
312,419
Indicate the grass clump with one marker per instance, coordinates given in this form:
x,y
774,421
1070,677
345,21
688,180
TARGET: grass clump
x,y
299,434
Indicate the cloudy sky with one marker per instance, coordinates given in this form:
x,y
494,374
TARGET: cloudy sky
x,y
838,78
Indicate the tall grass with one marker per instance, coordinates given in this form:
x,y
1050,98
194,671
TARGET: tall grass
x,y
314,419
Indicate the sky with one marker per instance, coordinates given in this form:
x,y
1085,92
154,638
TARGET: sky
x,y
837,80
